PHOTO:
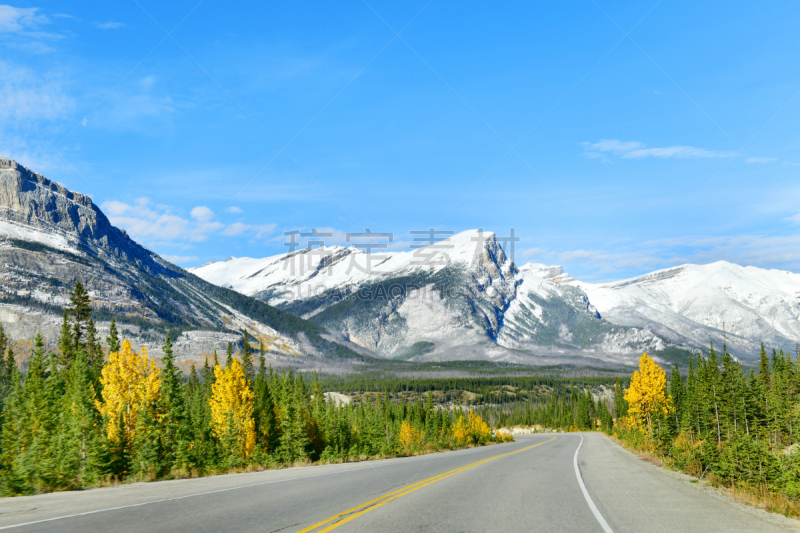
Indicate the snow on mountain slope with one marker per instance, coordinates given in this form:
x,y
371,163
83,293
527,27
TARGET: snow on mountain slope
x,y
460,298
310,272
51,237
551,316
447,295
697,304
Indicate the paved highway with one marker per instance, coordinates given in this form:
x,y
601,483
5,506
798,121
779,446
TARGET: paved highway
x,y
548,483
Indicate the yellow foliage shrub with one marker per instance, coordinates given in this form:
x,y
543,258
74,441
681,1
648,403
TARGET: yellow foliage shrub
x,y
410,436
130,382
232,410
473,430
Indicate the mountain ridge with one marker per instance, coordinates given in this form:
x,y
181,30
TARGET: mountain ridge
x,y
538,308
459,298
51,237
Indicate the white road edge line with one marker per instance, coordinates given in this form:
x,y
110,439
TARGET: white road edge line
x,y
592,506
150,502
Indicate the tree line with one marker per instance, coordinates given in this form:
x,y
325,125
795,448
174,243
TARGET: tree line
x,y
78,418
719,421
715,420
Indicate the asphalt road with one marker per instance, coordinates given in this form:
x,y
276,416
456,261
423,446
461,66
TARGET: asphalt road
x,y
529,485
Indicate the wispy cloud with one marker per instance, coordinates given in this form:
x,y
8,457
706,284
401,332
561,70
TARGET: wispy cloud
x,y
145,221
109,25
746,250
234,209
33,95
160,225
532,252
638,150
18,19
258,232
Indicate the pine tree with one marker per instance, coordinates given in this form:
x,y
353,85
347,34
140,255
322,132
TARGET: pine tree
x,y
11,363
84,446
3,343
150,453
112,340
263,409
620,404
247,358
229,355
81,314
36,422
94,353
676,394
10,441
65,342
175,434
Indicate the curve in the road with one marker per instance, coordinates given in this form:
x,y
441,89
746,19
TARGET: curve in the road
x,y
592,506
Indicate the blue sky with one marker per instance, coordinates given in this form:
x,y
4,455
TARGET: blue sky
x,y
614,137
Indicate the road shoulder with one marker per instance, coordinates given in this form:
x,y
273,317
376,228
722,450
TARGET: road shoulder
x,y
632,492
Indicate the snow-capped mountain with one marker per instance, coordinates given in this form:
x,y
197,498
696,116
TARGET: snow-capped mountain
x,y
460,298
463,298
51,237
698,304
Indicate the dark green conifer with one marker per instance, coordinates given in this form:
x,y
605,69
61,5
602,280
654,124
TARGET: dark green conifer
x,y
228,355
81,313
112,340
172,397
10,440
247,358
66,346
676,394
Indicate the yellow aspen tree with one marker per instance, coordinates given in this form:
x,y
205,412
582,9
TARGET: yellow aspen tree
x,y
131,381
647,394
461,432
232,410
473,430
479,429
409,436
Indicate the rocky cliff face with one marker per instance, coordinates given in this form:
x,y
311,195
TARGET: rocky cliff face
x,y
51,237
30,199
466,300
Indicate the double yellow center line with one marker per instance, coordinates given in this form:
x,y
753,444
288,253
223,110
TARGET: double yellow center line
x,y
355,512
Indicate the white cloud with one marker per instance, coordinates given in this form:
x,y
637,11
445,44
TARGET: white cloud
x,y
638,150
235,229
612,145
16,19
159,223
234,209
202,214
532,252
109,25
145,221
760,159
142,222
